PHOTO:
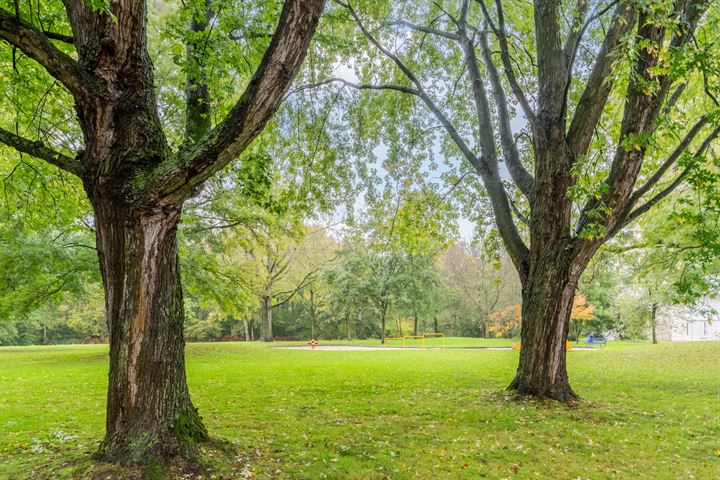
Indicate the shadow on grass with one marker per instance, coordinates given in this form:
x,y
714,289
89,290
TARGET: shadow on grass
x,y
215,458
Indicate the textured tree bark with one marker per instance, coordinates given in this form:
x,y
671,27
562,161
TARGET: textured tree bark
x,y
149,412
266,332
542,372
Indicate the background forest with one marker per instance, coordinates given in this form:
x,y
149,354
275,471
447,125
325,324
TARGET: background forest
x,y
402,266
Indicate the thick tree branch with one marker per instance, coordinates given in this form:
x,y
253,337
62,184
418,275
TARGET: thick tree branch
x,y
38,150
38,46
597,89
420,28
642,104
645,97
195,163
357,86
551,62
482,105
522,178
500,33
60,37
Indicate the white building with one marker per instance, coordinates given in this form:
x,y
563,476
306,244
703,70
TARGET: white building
x,y
682,323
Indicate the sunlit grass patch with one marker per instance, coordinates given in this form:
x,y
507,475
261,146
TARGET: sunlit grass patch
x,y
648,412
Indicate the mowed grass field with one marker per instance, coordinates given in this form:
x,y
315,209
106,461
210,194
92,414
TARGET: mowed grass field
x,y
649,412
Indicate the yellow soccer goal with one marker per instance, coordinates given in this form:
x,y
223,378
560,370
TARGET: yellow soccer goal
x,y
413,340
431,335
393,339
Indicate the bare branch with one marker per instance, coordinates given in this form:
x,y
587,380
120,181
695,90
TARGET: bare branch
x,y
39,150
522,178
60,37
38,46
420,28
307,280
238,34
578,29
500,33
357,86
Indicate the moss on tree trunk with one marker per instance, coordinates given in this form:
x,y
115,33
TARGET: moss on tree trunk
x,y
149,412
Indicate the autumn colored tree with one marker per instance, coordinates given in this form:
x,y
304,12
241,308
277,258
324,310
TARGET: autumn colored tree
x,y
504,322
580,314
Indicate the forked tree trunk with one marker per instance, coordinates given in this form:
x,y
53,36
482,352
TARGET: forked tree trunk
x,y
546,306
266,318
149,412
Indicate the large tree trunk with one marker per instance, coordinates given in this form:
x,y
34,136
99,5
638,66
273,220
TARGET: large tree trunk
x,y
137,184
149,412
266,318
546,306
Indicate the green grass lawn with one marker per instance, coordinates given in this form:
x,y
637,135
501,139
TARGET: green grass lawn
x,y
650,411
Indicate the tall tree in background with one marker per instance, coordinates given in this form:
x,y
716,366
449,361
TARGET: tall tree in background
x,y
578,175
486,283
282,267
137,185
